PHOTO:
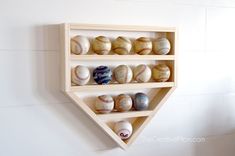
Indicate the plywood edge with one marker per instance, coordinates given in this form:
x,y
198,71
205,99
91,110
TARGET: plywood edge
x,y
65,57
120,115
83,26
129,86
109,132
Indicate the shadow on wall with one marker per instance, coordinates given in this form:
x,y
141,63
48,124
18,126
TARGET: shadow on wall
x,y
48,87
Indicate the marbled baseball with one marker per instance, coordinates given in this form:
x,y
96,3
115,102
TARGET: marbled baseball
x,y
80,75
102,75
101,45
141,101
123,129
161,46
143,46
123,102
142,73
104,104
79,45
122,45
123,74
161,73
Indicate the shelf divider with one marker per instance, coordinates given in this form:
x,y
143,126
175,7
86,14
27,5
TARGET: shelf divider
x,y
121,57
129,86
121,115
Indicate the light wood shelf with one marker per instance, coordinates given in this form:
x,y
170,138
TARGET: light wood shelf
x,y
121,57
121,115
128,86
141,118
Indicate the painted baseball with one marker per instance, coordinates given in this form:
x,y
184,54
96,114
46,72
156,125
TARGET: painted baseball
x,y
161,46
122,45
104,104
142,73
102,75
161,73
123,74
143,46
79,45
123,102
141,101
80,75
101,45
123,129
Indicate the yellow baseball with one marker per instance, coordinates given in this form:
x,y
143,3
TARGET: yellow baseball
x,y
122,45
123,102
161,73
143,46
142,73
79,45
101,45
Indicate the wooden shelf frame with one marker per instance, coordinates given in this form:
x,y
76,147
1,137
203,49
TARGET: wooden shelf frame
x,y
142,117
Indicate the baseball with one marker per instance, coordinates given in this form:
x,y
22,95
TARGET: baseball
x,y
123,74
122,45
80,75
101,45
161,46
123,129
102,75
79,45
123,103
161,73
142,73
141,101
143,46
104,104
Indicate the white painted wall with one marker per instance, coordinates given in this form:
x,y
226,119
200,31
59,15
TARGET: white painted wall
x,y
37,119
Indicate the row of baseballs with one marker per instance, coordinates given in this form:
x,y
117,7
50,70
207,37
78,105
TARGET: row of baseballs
x,y
102,45
123,129
121,103
80,75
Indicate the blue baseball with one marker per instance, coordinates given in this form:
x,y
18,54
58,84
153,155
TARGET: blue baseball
x,y
102,75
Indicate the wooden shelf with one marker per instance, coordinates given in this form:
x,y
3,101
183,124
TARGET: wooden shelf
x,y
121,115
138,119
129,86
121,57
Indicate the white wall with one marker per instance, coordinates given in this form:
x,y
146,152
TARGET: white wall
x,y
37,119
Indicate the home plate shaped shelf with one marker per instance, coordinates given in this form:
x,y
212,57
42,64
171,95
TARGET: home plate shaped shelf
x,y
85,95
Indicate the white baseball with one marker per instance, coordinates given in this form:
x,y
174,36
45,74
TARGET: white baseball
x,y
79,45
104,104
123,129
142,73
80,75
123,74
161,46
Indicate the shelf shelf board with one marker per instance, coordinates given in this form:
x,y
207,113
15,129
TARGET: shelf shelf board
x,y
121,115
129,86
121,57
75,26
